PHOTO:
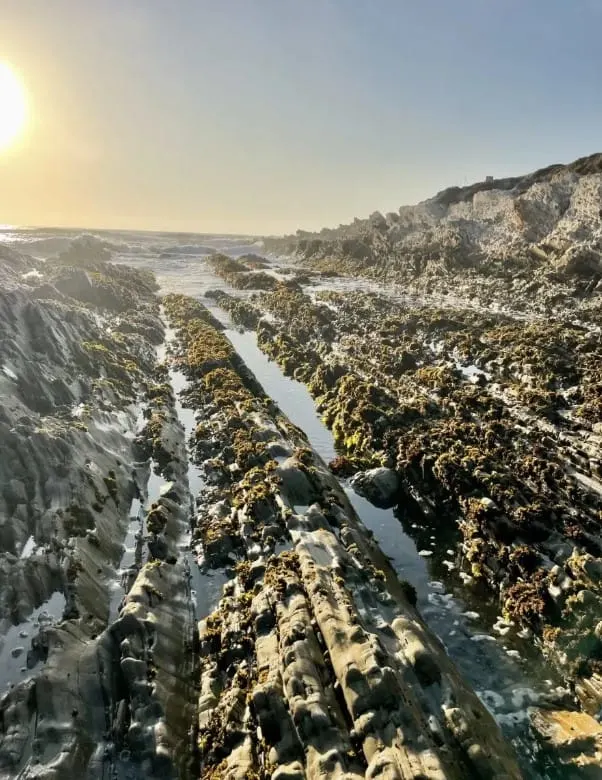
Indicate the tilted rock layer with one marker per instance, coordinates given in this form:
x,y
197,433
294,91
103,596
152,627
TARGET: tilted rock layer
x,y
315,662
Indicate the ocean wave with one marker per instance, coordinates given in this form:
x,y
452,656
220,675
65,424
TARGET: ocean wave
x,y
185,249
45,247
124,245
48,246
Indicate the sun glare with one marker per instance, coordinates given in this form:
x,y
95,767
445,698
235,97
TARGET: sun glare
x,y
12,106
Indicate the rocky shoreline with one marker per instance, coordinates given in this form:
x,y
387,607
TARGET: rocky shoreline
x,y
531,244
144,466
444,401
79,368
315,660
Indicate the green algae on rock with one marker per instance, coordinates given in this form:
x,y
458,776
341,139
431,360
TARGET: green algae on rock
x,y
480,413
328,609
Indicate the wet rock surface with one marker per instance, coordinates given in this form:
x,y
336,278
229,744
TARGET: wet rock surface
x,y
575,737
380,486
89,685
491,420
145,468
491,425
315,660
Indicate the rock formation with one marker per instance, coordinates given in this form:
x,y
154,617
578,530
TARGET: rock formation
x,y
543,230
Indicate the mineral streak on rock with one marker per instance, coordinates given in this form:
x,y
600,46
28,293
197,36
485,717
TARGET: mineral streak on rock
x,y
314,662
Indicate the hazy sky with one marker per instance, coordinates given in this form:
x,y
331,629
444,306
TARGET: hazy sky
x,y
267,115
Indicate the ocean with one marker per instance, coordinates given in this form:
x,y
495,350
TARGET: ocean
x,y
174,257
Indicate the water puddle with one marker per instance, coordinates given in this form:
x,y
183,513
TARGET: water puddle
x,y
9,373
205,586
188,420
18,657
301,509
135,551
133,534
472,373
130,559
154,487
292,397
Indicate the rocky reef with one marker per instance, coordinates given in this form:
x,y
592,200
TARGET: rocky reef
x,y
315,660
244,273
186,588
95,608
483,421
312,660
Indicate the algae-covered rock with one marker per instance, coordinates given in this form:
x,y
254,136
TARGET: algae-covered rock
x,y
315,660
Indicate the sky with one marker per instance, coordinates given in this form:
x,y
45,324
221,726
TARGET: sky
x,y
264,116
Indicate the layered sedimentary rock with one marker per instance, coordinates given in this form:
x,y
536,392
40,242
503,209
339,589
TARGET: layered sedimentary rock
x,y
315,659
95,658
315,662
538,235
492,425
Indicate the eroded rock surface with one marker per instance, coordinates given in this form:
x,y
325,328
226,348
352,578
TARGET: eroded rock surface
x,y
491,423
538,237
97,671
315,661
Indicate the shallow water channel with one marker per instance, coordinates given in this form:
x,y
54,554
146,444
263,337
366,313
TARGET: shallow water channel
x,y
206,586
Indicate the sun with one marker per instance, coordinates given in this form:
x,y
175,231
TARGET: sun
x,y
13,106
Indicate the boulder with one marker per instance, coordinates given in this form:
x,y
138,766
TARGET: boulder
x,y
295,484
380,486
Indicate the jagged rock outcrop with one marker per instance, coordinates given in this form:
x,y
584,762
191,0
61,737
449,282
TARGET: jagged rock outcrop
x,y
547,222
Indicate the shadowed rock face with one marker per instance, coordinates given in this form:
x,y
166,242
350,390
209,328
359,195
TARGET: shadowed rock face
x,y
88,687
